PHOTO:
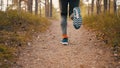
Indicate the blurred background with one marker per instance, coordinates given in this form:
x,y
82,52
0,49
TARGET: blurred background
x,y
50,8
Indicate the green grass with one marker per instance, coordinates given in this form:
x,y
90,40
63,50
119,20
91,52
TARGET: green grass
x,y
16,29
107,27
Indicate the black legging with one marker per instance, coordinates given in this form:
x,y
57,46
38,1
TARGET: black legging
x,y
64,6
64,12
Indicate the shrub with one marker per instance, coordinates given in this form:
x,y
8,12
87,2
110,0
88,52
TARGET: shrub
x,y
16,29
107,24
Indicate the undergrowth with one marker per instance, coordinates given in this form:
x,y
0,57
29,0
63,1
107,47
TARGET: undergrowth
x,y
107,27
16,29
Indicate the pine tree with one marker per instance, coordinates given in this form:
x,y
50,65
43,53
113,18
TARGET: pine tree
x,y
1,4
115,9
30,3
105,5
92,7
50,14
36,7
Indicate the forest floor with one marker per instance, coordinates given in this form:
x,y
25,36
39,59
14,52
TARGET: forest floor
x,y
83,51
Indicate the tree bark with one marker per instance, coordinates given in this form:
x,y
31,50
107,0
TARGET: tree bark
x,y
105,5
115,9
30,5
19,5
40,8
98,6
50,8
1,4
47,8
109,5
36,7
92,7
7,3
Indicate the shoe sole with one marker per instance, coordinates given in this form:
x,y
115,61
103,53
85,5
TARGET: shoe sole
x,y
64,43
77,19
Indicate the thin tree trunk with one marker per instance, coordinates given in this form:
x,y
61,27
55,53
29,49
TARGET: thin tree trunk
x,y
88,8
7,3
40,8
98,6
1,4
47,8
30,5
19,5
50,8
92,7
105,5
36,7
109,5
115,9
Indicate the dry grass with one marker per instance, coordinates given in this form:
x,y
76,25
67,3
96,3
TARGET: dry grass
x,y
107,27
16,29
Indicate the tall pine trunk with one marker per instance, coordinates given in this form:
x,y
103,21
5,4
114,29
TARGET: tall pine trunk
x,y
7,3
36,7
30,3
105,5
109,5
47,8
92,7
1,4
50,8
40,9
115,9
98,6
19,5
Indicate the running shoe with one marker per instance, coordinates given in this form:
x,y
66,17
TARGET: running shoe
x,y
77,19
64,41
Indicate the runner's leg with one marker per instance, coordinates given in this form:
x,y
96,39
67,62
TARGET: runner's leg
x,y
64,8
72,5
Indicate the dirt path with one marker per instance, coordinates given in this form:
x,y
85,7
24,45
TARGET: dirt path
x,y
83,51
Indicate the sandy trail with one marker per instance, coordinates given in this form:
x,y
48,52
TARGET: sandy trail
x,y
83,51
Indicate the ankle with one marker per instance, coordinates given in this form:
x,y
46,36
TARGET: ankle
x,y
64,36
